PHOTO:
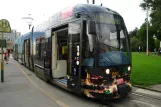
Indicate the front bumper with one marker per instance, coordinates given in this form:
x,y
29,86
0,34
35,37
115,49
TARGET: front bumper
x,y
122,90
98,84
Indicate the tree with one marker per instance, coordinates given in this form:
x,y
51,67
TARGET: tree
x,y
143,38
157,43
155,7
135,43
133,33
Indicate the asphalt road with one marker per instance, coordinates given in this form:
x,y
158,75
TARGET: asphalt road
x,y
138,97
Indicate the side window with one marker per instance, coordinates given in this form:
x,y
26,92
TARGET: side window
x,y
38,48
62,39
26,47
42,48
48,53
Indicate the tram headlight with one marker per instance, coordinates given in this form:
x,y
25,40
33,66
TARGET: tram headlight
x,y
107,71
129,68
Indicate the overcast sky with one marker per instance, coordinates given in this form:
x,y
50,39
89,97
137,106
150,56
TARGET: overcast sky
x,y
14,10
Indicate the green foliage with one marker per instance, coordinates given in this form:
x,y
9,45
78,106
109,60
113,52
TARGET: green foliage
x,y
157,43
134,40
133,33
134,43
149,4
139,36
142,34
155,7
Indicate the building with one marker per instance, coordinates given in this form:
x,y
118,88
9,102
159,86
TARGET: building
x,y
10,38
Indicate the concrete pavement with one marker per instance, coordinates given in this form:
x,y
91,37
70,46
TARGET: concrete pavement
x,y
156,88
17,91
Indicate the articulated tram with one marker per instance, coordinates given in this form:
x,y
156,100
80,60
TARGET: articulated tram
x,y
84,49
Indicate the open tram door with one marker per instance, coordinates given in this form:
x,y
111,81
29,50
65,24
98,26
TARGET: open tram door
x,y
66,56
59,55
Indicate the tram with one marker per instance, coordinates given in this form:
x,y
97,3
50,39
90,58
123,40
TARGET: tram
x,y
84,49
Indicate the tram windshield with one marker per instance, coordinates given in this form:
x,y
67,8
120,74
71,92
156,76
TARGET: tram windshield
x,y
110,44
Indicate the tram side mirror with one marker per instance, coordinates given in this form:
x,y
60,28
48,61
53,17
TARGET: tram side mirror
x,y
91,27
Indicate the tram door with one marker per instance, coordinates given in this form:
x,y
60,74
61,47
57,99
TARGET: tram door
x,y
59,53
74,56
47,55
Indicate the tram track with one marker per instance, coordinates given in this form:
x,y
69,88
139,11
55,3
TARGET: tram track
x,y
133,100
146,96
145,99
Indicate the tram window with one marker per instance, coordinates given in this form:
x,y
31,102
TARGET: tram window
x,y
62,44
26,47
28,52
40,47
48,53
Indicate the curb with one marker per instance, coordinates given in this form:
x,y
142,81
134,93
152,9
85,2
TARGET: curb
x,y
146,88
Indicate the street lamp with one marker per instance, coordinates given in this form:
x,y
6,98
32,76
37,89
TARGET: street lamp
x,y
28,20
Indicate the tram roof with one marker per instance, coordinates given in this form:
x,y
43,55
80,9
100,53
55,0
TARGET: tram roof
x,y
67,13
27,35
94,8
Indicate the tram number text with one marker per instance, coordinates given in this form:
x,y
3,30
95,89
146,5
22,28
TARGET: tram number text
x,y
115,73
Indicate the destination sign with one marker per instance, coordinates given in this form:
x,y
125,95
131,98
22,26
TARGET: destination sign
x,y
107,19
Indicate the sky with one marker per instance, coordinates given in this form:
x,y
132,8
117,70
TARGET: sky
x,y
15,10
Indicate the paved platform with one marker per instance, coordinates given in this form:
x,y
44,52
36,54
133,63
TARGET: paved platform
x,y
17,91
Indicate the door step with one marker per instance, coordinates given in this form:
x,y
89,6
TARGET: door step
x,y
61,81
